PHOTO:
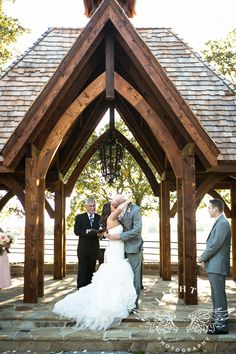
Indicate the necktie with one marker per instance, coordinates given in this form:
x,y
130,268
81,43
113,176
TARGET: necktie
x,y
91,219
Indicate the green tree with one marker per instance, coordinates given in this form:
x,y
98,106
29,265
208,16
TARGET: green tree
x,y
10,30
132,180
222,55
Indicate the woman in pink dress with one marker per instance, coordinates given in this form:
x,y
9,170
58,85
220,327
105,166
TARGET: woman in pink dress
x,y
5,275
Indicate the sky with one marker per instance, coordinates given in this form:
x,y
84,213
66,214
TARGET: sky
x,y
195,21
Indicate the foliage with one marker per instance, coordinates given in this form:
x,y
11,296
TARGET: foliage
x,y
10,30
132,181
222,55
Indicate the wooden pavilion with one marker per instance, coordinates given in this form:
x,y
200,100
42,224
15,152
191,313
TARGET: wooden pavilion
x,y
181,112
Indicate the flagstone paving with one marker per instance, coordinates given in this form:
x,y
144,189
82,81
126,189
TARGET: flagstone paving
x,y
33,328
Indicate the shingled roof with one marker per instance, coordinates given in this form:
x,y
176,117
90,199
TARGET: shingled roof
x,y
210,96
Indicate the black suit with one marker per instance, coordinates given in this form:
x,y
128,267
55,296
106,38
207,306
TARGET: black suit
x,y
88,247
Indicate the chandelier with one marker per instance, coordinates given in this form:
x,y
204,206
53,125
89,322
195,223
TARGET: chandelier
x,y
111,153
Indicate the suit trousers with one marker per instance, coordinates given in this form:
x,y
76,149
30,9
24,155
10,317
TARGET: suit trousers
x,y
219,300
87,264
135,260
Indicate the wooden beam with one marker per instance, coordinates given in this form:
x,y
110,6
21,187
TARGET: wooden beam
x,y
165,232
14,186
205,188
189,226
72,65
49,209
159,129
233,228
168,93
180,229
206,185
142,133
95,146
66,120
110,66
58,270
41,208
160,239
5,199
31,231
81,133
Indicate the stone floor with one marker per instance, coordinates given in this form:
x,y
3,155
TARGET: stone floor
x,y
161,325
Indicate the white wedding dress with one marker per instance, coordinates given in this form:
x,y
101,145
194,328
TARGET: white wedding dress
x,y
109,298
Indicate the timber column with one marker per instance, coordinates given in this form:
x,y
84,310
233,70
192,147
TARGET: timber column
x,y
34,231
233,228
179,184
189,226
165,229
59,231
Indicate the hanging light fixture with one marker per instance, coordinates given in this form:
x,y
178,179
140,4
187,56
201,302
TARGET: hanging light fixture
x,y
111,153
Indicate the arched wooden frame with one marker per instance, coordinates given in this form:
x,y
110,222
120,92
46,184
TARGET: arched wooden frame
x,y
160,131
15,189
203,189
5,199
132,150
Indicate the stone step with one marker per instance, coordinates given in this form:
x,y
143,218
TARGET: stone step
x,y
37,321
129,337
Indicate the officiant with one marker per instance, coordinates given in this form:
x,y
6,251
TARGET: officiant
x,y
85,227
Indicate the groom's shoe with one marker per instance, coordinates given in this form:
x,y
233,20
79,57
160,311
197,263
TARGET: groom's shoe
x,y
216,331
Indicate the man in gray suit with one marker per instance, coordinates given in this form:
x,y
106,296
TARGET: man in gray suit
x,y
216,261
131,221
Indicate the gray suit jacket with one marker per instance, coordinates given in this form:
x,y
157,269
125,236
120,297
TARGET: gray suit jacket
x,y
217,254
132,224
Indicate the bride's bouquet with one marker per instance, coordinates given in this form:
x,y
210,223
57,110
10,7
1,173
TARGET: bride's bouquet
x,y
6,239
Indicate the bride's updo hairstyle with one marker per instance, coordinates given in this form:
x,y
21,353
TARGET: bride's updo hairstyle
x,y
106,211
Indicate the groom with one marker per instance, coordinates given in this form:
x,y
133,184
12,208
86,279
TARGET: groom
x,y
131,221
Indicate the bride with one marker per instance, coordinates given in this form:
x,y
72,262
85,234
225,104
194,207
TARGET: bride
x,y
111,295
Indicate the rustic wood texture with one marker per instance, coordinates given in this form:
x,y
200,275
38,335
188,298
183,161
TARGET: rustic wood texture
x,y
189,227
66,120
12,184
59,231
128,6
169,95
233,228
31,231
93,149
155,123
179,185
110,66
142,133
160,239
41,208
207,184
63,78
165,230
5,199
206,94
83,129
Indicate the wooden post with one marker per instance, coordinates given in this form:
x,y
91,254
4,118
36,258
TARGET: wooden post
x,y
160,237
165,225
31,231
41,208
110,65
233,228
59,231
189,226
179,184
64,228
